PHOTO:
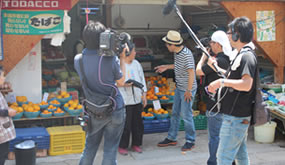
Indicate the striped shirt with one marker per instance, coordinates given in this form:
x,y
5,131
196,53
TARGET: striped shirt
x,y
183,61
7,130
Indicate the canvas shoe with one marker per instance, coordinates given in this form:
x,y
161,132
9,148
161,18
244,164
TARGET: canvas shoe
x,y
137,149
123,151
188,146
166,142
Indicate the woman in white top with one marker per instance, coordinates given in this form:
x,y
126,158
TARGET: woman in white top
x,y
135,100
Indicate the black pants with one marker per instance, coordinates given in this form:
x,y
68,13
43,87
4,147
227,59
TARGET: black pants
x,y
133,125
4,149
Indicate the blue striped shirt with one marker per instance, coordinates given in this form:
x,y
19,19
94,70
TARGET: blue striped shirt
x,y
183,61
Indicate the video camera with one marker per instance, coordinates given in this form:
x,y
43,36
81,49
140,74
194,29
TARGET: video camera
x,y
206,43
112,43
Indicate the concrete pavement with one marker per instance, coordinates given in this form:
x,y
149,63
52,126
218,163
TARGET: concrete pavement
x,y
260,154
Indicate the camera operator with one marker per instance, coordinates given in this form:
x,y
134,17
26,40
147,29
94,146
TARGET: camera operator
x,y
220,46
112,126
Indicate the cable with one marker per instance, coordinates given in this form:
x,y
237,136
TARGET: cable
x,y
102,83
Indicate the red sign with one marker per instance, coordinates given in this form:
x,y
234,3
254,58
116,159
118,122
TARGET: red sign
x,y
37,4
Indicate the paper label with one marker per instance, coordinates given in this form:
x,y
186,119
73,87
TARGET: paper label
x,y
45,97
156,104
12,98
63,86
156,90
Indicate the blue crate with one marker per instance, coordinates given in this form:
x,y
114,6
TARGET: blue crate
x,y
156,126
37,134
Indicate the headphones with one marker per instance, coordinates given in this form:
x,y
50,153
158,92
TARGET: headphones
x,y
235,35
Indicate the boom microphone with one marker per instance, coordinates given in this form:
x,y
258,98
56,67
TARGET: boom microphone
x,y
169,7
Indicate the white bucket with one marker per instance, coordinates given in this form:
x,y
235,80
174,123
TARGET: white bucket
x,y
265,133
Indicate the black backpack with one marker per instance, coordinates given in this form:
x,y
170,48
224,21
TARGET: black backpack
x,y
95,104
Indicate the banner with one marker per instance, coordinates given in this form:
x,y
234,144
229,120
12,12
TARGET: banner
x,y
37,4
32,22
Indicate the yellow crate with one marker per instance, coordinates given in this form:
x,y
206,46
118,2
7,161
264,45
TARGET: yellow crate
x,y
66,140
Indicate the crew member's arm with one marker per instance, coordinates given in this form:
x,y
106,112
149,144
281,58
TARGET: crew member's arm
x,y
162,68
211,62
188,93
243,84
199,70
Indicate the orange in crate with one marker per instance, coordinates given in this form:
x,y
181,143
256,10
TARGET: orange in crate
x,y
66,140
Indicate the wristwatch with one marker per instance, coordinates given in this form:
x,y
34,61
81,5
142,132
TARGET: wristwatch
x,y
188,90
222,83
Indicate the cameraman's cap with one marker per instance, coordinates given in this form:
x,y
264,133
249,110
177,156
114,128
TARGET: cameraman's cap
x,y
173,37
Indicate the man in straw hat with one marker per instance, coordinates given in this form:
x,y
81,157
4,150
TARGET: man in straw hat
x,y
184,69
220,46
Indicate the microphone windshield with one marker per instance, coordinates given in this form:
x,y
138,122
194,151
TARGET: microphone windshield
x,y
169,7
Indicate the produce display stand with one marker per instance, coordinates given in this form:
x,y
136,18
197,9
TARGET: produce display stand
x,y
280,117
46,122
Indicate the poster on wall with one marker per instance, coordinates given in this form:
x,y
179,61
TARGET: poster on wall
x,y
36,4
32,22
265,26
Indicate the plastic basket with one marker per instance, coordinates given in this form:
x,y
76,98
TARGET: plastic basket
x,y
156,126
18,116
52,110
56,105
200,122
43,107
46,115
37,134
22,103
161,116
64,100
59,114
32,115
66,140
148,117
75,112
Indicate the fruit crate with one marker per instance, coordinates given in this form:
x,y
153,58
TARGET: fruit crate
x,y
66,140
156,126
200,122
37,134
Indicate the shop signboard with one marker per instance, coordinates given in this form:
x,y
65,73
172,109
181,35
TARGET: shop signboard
x,y
36,4
32,22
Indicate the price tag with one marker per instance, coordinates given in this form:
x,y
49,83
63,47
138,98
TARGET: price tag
x,y
12,98
156,104
63,86
45,97
156,89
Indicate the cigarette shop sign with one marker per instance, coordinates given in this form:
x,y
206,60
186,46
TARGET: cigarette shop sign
x,y
32,22
36,4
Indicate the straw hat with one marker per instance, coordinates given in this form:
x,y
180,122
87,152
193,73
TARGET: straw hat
x,y
173,37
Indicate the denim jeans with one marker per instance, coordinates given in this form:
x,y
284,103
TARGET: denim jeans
x,y
233,136
181,106
111,128
214,126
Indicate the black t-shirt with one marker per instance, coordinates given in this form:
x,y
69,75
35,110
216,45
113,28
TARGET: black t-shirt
x,y
240,103
210,76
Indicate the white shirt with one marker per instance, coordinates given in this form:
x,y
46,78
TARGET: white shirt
x,y
134,71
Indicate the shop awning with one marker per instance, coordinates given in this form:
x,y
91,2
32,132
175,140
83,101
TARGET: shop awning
x,y
162,2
